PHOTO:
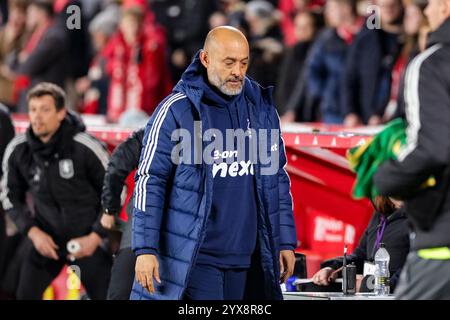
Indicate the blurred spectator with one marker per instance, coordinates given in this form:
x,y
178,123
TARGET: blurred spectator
x,y
91,8
79,49
307,26
265,41
289,10
136,64
95,87
44,57
413,22
217,19
326,63
12,37
369,67
6,135
186,23
235,12
6,132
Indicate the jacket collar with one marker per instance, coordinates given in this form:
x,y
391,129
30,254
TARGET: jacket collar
x,y
441,35
69,127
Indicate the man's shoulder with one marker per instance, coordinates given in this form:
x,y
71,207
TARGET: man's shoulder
x,y
434,59
89,143
4,112
17,145
177,102
261,96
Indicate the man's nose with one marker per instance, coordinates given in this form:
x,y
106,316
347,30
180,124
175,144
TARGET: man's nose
x,y
236,71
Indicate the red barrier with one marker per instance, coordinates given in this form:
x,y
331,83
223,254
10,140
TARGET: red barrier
x,y
326,215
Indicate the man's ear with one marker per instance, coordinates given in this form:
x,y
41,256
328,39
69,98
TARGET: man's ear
x,y
447,8
62,114
204,58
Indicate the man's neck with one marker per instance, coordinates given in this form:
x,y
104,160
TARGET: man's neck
x,y
46,139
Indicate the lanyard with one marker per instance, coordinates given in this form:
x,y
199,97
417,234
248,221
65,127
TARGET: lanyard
x,y
380,232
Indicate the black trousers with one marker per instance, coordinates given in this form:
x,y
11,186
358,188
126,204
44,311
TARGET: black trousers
x,y
122,275
38,272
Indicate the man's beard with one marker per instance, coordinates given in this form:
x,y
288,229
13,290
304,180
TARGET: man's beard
x,y
222,85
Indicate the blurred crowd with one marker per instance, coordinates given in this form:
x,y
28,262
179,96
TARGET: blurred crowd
x,y
335,61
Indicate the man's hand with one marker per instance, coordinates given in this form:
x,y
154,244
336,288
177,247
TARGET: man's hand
x,y
325,276
147,268
107,221
359,278
352,120
375,120
43,243
287,263
88,245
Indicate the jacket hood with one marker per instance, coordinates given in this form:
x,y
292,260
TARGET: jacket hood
x,y
75,121
70,126
441,35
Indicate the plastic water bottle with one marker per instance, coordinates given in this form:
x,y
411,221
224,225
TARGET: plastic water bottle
x,y
382,271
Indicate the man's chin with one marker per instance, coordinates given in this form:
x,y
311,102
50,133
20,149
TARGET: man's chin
x,y
231,91
41,134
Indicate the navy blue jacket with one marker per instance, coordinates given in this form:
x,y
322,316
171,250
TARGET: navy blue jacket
x,y
366,86
325,68
173,202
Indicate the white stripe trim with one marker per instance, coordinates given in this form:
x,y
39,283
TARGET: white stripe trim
x,y
412,100
144,174
94,146
148,147
7,204
152,129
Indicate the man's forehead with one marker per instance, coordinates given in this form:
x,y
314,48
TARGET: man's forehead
x,y
231,51
44,100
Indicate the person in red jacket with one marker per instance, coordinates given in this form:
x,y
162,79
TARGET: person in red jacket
x,y
136,63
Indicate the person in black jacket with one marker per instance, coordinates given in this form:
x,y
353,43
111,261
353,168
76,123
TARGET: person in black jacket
x,y
6,135
45,56
388,225
425,160
124,160
370,61
307,25
62,168
6,131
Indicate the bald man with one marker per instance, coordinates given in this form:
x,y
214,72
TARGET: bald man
x,y
427,153
213,218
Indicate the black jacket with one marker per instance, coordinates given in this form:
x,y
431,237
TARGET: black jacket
x,y
6,132
427,153
395,237
49,60
366,85
290,71
124,160
64,178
